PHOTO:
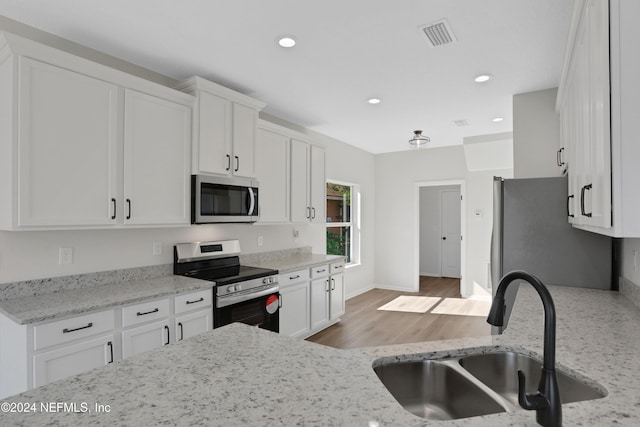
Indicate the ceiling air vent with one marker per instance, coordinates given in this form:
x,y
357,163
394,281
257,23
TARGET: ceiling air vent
x,y
438,33
461,122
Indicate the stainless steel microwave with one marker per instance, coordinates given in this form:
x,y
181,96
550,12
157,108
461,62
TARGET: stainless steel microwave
x,y
222,199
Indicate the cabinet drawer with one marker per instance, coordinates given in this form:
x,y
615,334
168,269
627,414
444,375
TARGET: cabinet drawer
x,y
285,279
337,267
144,312
320,271
66,330
193,300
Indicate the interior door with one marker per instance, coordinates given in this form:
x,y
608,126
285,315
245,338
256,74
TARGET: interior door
x,y
450,236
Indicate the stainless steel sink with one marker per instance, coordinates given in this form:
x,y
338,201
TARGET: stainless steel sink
x,y
499,371
434,390
468,386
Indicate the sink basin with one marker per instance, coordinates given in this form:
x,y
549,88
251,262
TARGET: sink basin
x,y
434,390
478,384
499,371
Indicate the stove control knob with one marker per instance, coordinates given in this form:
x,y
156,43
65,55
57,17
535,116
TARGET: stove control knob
x,y
238,288
231,288
265,280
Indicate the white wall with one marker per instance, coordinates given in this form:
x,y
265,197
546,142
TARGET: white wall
x,y
536,134
397,235
430,212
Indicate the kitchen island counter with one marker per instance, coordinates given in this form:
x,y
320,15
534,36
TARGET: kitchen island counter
x,y
238,375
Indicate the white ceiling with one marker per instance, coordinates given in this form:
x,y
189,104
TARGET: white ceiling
x,y
347,51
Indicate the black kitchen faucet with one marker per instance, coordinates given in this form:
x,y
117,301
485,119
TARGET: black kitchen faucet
x,y
546,401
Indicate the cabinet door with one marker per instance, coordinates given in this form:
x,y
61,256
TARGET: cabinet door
x,y
244,140
294,313
213,153
317,185
300,208
156,160
272,172
189,325
144,338
337,297
67,147
319,303
72,360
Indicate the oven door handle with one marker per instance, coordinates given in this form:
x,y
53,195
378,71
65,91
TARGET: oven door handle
x,y
227,300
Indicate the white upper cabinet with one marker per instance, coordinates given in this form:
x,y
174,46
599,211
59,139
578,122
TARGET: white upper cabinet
x,y
308,184
157,137
272,172
224,129
68,127
599,103
83,145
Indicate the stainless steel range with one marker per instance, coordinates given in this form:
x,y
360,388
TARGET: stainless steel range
x,y
243,294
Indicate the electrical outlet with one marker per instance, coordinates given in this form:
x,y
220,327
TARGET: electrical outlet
x,y
157,248
259,240
296,233
65,256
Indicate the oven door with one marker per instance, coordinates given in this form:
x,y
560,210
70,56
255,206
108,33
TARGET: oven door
x,y
262,311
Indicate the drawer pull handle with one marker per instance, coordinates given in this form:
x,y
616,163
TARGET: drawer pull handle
x,y
321,271
339,266
67,330
181,331
110,344
294,277
155,310
198,300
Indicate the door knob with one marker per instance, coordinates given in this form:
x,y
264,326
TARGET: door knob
x,y
444,238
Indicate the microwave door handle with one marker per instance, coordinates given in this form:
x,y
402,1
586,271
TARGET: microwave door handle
x,y
252,201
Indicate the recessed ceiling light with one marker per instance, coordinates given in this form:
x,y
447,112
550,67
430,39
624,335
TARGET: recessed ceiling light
x,y
374,101
483,78
497,119
287,42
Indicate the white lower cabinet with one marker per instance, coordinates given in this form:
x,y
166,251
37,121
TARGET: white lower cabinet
x,y
33,355
336,306
319,303
294,313
73,359
144,338
192,324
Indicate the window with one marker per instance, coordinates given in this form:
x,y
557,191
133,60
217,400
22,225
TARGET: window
x,y
343,225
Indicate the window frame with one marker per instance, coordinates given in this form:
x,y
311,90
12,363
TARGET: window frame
x,y
353,224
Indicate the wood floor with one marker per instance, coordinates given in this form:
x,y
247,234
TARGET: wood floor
x,y
364,326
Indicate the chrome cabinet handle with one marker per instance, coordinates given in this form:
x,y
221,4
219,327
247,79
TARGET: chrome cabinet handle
x,y
228,162
114,208
313,216
67,330
166,328
308,212
129,206
333,284
559,157
237,163
181,331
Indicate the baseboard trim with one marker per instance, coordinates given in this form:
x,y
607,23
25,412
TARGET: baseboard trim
x,y
359,292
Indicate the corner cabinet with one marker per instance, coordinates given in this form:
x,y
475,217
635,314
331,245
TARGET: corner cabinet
x,y
74,132
599,102
224,129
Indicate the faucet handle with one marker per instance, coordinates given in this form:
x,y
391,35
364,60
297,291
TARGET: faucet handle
x,y
527,400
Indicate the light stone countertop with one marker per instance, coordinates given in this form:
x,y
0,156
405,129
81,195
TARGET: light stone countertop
x,y
241,376
39,308
294,262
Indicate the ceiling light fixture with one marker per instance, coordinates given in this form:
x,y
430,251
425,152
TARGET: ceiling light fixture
x,y
497,119
374,101
418,139
287,42
483,78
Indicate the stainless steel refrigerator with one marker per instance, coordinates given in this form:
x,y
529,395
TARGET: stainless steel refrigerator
x,y
531,232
